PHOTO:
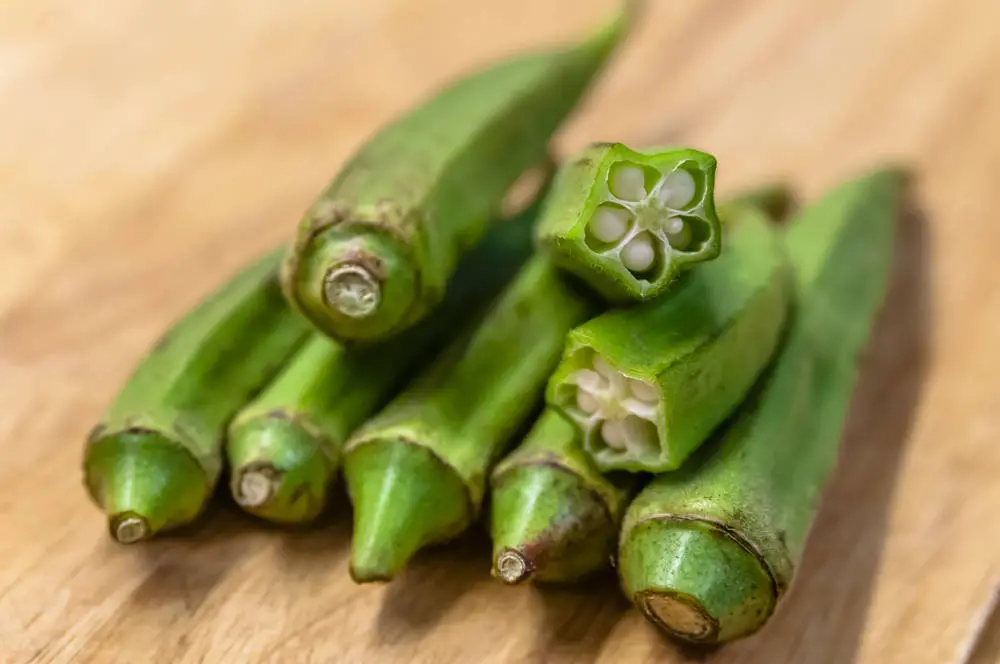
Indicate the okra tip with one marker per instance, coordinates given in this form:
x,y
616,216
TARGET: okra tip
x,y
144,482
255,487
695,580
129,528
351,285
512,567
404,498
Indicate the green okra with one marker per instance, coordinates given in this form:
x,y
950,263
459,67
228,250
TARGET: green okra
x,y
628,222
554,516
285,447
375,252
647,385
706,552
154,459
416,472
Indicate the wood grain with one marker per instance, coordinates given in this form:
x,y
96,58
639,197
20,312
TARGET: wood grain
x,y
149,148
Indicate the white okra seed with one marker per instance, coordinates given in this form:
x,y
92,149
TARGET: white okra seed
x,y
603,368
643,391
678,189
638,254
586,401
609,223
678,233
628,183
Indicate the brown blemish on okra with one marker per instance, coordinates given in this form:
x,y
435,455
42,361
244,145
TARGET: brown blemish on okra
x,y
554,517
729,527
419,194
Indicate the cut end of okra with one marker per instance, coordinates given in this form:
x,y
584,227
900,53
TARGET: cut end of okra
x,y
278,471
144,482
255,487
695,580
404,498
653,221
619,415
628,222
352,285
129,528
512,567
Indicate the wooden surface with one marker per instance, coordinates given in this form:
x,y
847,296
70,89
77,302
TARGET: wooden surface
x,y
148,148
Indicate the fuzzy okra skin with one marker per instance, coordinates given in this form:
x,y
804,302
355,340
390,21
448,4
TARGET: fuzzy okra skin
x,y
416,473
285,447
153,461
375,252
628,222
706,552
554,516
647,385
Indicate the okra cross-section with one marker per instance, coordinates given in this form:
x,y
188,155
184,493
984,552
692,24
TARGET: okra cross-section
x,y
628,222
646,385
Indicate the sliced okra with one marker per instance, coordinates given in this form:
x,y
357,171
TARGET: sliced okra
x,y
646,385
628,222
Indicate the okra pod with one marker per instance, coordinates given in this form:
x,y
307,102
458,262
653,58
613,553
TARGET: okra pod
x,y
628,222
416,472
376,250
647,385
154,459
554,516
285,447
706,552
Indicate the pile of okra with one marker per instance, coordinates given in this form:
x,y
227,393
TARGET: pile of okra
x,y
635,375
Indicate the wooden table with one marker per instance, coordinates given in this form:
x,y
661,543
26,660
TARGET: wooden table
x,y
148,148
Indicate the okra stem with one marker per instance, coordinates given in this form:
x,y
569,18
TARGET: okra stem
x,y
706,552
416,472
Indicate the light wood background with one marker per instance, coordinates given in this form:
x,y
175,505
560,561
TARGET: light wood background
x,y
148,148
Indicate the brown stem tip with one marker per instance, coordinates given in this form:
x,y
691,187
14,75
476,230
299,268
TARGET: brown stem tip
x,y
256,487
512,567
130,528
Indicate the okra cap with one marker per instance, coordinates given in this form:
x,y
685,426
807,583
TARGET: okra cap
x,y
278,471
144,482
404,498
695,579
353,283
